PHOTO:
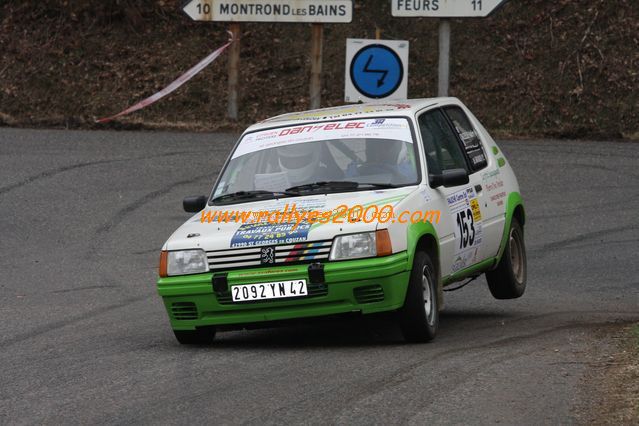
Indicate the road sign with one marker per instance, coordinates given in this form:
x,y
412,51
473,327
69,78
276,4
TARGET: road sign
x,y
445,8
313,11
376,69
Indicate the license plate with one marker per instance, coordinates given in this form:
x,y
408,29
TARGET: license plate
x,y
264,291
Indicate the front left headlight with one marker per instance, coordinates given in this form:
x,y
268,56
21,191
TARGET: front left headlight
x,y
184,262
354,246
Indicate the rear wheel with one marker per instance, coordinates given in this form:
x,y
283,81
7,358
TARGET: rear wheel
x,y
199,336
419,317
508,280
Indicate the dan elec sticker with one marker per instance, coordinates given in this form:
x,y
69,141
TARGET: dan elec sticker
x,y
384,128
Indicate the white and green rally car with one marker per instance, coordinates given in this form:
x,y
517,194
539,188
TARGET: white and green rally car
x,y
427,155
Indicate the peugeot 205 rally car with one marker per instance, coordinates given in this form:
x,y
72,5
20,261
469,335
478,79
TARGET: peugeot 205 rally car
x,y
219,270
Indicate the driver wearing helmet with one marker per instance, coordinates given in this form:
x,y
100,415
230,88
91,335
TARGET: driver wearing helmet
x,y
384,156
301,163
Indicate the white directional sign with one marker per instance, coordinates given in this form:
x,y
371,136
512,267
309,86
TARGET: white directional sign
x,y
313,11
445,8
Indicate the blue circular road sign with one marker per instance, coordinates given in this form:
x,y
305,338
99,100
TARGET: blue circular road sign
x,y
376,71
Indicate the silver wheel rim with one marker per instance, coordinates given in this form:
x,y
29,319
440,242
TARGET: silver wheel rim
x,y
516,260
429,296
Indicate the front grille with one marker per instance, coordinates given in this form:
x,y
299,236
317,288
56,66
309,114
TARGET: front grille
x,y
314,290
307,252
184,311
369,294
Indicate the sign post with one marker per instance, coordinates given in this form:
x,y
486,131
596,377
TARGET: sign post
x,y
443,72
444,9
317,38
234,71
315,12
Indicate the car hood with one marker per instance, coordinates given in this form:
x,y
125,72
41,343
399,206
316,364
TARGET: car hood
x,y
220,235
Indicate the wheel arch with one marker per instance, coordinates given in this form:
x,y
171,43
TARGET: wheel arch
x,y
514,208
520,214
423,237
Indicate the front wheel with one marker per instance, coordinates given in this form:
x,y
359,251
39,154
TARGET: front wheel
x,y
199,336
508,280
419,317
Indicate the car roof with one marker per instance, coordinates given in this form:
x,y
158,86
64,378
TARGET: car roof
x,y
399,108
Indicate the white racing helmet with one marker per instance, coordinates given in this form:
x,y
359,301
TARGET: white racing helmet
x,y
299,161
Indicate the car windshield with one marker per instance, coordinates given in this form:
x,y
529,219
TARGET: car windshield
x,y
335,156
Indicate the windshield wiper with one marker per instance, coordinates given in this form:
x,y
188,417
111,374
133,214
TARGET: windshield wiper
x,y
337,184
239,195
379,185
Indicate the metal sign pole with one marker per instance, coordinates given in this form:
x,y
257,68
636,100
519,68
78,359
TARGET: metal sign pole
x,y
234,71
444,57
317,35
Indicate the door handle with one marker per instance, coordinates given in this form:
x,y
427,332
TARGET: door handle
x,y
478,188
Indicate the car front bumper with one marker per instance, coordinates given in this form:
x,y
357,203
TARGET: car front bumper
x,y
364,285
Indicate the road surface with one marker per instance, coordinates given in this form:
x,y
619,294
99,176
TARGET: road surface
x,y
85,339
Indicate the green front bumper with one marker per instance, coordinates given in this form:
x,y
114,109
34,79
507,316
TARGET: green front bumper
x,y
366,286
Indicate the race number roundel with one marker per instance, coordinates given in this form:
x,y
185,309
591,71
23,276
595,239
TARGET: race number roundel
x,y
376,71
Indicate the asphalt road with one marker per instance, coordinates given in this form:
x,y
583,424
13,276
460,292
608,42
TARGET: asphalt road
x,y
85,339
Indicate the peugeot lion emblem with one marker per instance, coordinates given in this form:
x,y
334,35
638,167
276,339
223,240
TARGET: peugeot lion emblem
x,y
267,255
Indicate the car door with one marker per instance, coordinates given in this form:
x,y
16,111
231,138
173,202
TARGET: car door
x,y
484,178
460,230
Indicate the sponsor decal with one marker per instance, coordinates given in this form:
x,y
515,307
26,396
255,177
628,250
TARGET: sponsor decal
x,y
464,260
467,219
340,112
494,186
260,234
389,128
493,183
267,272
498,198
489,175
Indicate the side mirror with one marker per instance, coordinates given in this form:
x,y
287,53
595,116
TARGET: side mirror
x,y
194,204
449,178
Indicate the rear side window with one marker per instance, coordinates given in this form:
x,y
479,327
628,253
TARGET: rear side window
x,y
468,136
440,143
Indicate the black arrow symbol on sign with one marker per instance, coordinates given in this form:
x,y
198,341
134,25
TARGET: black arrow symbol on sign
x,y
380,82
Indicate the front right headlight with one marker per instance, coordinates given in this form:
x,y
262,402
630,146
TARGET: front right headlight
x,y
354,246
185,262
362,245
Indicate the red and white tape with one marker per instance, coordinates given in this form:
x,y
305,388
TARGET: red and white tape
x,y
173,86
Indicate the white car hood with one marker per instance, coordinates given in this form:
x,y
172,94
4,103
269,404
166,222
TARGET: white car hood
x,y
222,236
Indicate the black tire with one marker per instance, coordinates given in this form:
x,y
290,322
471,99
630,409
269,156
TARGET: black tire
x,y
199,336
508,280
419,318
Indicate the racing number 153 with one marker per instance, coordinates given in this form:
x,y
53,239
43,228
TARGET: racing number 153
x,y
466,225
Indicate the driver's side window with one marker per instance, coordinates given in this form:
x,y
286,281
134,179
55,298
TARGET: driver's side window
x,y
440,143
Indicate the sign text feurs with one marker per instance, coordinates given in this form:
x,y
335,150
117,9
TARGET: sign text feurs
x,y
445,8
